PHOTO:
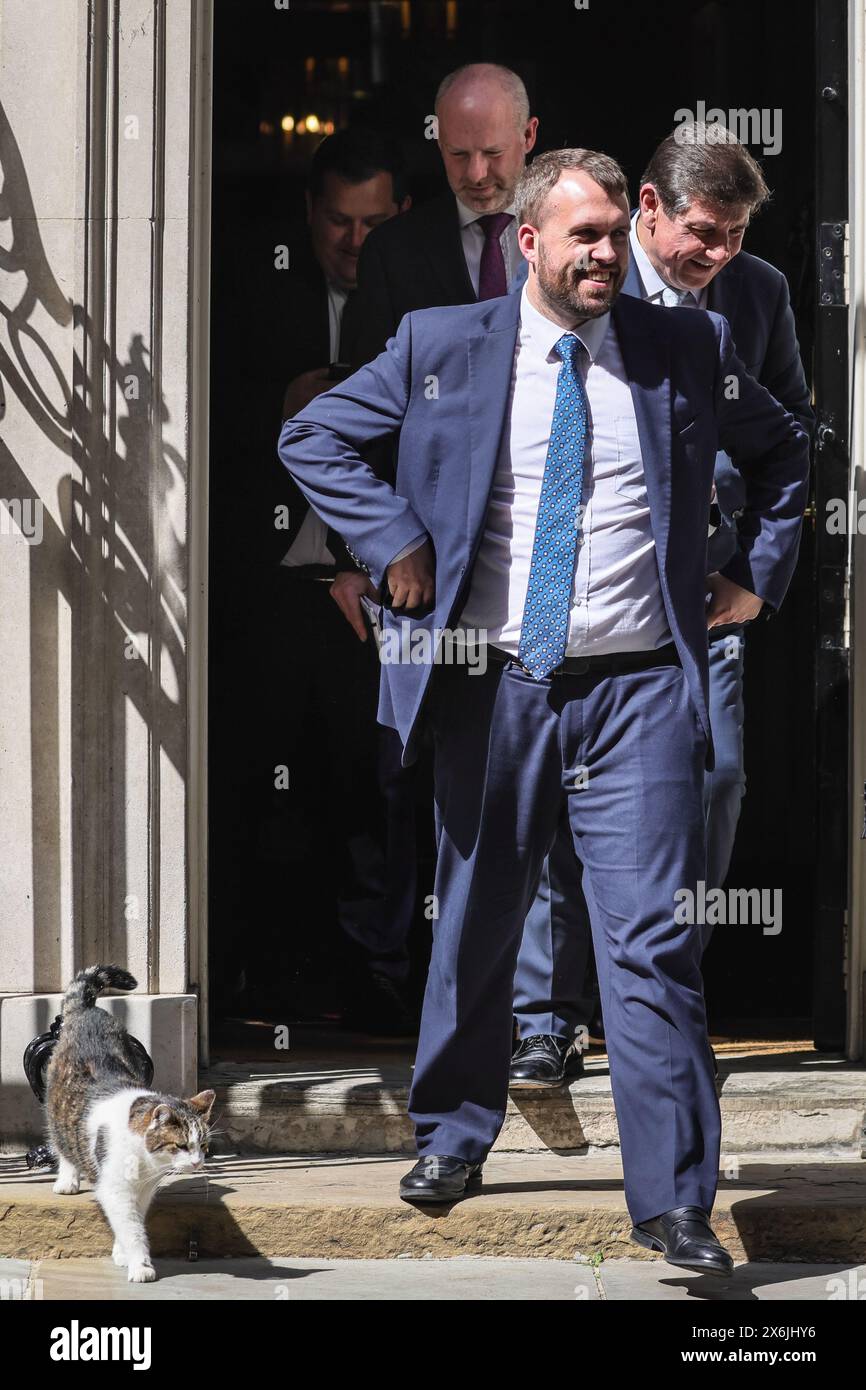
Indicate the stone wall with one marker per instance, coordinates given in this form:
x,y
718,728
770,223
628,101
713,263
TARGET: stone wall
x,y
104,160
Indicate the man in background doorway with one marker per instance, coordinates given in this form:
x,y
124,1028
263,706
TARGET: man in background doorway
x,y
323,681
461,246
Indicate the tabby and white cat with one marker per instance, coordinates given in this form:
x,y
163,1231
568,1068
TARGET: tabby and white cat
x,y
104,1122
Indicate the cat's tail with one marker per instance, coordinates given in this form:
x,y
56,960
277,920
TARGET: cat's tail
x,y
90,983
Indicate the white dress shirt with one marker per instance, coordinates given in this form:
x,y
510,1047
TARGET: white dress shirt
x,y
310,546
336,304
655,289
472,239
616,602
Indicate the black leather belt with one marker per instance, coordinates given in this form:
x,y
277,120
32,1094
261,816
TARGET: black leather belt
x,y
607,663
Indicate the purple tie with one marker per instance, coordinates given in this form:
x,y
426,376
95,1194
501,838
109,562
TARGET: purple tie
x,y
492,280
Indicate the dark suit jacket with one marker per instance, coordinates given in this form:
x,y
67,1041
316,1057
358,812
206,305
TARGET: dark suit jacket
x,y
414,261
295,312
677,364
753,297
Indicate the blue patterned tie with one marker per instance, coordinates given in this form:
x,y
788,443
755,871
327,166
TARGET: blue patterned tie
x,y
544,630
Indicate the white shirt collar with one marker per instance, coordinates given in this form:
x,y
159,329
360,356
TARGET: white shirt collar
x,y
652,282
546,334
468,215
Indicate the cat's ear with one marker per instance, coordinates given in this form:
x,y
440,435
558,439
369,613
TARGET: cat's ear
x,y
202,1103
161,1113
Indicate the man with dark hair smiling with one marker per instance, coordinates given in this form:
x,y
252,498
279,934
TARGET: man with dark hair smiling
x,y
697,196
356,183
555,492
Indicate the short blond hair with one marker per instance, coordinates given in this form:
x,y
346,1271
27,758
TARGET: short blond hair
x,y
545,171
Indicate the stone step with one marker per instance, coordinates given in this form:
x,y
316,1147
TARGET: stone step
x,y
770,1208
809,1103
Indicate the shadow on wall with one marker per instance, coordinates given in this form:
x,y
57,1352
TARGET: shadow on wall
x,y
116,559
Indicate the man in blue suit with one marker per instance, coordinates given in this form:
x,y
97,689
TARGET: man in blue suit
x,y
555,463
698,193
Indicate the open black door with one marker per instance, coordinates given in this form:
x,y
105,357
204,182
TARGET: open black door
x,y
274,940
831,482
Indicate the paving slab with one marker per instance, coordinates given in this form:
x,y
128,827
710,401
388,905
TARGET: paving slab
x,y
291,1280
16,1278
530,1206
654,1281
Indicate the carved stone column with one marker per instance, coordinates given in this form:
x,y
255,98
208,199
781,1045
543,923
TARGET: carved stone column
x,y
104,159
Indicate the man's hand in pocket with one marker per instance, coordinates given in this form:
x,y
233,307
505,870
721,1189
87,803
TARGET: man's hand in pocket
x,y
729,603
347,591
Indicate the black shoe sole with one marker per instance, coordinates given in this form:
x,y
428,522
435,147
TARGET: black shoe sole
x,y
424,1199
526,1085
695,1267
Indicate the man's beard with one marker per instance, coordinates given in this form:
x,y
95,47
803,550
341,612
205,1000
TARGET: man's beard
x,y
562,288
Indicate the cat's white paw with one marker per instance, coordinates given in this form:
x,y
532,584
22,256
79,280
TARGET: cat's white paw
x,y
67,1187
141,1274
118,1254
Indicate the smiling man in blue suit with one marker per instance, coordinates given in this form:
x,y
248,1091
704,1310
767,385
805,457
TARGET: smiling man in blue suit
x,y
555,464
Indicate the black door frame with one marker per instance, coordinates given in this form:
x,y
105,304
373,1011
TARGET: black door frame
x,y
831,473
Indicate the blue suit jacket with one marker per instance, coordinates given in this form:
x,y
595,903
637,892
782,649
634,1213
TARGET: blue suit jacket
x,y
442,388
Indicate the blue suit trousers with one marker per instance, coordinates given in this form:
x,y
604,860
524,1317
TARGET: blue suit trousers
x,y
623,755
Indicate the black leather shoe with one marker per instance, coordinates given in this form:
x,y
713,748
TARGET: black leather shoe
x,y
684,1237
543,1062
438,1178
